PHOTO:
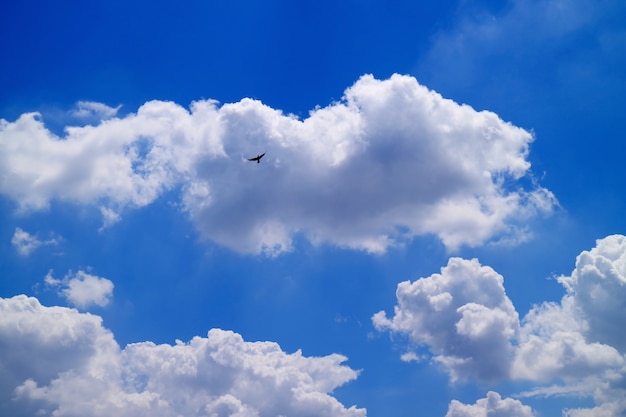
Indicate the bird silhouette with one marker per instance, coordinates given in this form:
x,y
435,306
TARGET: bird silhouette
x,y
257,158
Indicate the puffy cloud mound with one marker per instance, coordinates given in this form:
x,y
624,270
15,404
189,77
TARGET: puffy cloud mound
x,y
493,406
583,335
463,314
392,160
553,345
598,288
57,361
45,348
581,340
471,327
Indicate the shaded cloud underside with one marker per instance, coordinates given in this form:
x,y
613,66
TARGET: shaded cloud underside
x,y
392,160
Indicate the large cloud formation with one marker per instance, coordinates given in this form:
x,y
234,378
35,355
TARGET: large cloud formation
x,y
57,361
573,347
392,160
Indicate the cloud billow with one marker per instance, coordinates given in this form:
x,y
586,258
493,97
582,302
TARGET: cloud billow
x,y
57,361
575,347
463,315
493,406
392,160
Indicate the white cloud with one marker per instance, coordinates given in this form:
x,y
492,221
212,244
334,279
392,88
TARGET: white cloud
x,y
491,406
412,357
598,288
44,346
64,363
109,217
552,344
94,111
580,340
120,161
463,315
82,289
471,327
25,243
392,160
615,406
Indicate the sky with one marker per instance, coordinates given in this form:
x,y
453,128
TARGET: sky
x,y
436,229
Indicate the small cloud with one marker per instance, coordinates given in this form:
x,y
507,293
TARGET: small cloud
x,y
51,281
94,110
25,243
340,319
109,218
82,289
412,357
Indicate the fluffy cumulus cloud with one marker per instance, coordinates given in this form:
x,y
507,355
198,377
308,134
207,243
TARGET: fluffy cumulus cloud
x,y
25,243
82,289
582,336
493,406
463,314
392,160
58,361
575,347
598,288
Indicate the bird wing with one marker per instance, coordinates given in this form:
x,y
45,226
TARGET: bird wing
x,y
257,158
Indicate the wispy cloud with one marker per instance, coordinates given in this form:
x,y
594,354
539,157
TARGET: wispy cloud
x,y
391,161
521,63
82,289
94,111
471,327
109,217
220,374
25,243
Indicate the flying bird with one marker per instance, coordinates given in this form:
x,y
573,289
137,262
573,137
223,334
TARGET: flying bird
x,y
257,158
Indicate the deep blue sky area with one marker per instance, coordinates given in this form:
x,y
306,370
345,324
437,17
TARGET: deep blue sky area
x,y
403,139
290,55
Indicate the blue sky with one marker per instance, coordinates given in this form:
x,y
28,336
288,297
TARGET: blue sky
x,y
436,228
